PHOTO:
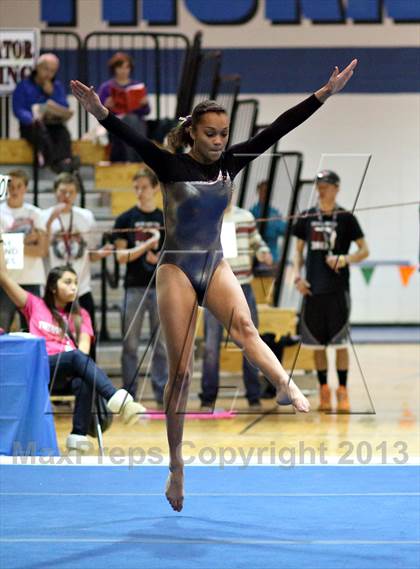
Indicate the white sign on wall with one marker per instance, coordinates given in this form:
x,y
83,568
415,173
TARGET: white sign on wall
x,y
19,49
13,250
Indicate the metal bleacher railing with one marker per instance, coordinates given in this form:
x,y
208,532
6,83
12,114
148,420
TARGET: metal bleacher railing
x,y
227,91
207,77
282,172
242,128
178,74
160,62
285,178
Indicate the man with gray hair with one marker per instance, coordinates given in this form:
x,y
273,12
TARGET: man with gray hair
x,y
40,105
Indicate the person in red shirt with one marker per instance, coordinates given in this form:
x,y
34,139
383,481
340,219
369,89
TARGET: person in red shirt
x,y
68,334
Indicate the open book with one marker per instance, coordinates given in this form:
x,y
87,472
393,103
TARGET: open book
x,y
128,99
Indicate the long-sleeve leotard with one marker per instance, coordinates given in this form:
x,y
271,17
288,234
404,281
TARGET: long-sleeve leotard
x,y
181,167
196,195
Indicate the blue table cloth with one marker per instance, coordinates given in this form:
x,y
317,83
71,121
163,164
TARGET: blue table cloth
x,y
26,422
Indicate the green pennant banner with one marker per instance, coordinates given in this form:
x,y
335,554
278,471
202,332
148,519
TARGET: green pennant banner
x,y
367,273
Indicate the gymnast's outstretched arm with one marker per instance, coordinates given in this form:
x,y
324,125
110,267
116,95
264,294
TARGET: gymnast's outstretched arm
x,y
154,156
242,153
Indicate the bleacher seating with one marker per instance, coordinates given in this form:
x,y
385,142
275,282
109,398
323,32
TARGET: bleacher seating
x,y
19,151
109,192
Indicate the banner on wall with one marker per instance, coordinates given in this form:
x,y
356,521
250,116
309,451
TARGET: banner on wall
x,y
19,49
406,272
367,273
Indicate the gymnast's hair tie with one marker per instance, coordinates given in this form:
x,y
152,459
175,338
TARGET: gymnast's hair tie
x,y
185,120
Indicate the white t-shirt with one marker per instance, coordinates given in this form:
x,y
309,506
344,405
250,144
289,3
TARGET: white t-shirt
x,y
24,220
72,236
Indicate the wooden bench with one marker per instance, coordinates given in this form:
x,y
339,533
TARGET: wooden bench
x,y
117,179
19,151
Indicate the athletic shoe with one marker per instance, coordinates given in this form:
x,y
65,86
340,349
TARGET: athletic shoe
x,y
343,403
78,445
324,398
207,407
122,402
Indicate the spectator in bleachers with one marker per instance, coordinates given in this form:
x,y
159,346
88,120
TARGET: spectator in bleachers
x,y
74,238
138,249
40,105
249,245
18,216
273,229
128,100
68,334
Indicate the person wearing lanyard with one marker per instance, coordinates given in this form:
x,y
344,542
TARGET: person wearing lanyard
x,y
327,232
73,239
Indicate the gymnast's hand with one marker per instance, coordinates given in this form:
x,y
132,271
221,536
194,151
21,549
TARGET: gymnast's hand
x,y
336,82
89,99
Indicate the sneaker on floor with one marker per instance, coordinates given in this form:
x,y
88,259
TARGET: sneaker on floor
x,y
343,402
122,402
324,398
78,445
207,407
255,405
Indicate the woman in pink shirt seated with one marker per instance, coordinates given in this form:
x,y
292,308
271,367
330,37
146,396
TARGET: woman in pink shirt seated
x,y
68,334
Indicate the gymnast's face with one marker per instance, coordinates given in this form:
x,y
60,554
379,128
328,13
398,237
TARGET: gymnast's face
x,y
66,290
210,136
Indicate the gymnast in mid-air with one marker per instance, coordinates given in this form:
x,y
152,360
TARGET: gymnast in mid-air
x,y
197,187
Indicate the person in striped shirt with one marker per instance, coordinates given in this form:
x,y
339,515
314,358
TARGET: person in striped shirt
x,y
249,245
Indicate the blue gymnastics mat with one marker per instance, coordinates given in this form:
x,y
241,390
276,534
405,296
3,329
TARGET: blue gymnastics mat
x,y
116,517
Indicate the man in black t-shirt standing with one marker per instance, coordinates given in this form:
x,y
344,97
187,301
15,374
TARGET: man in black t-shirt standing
x,y
327,231
138,244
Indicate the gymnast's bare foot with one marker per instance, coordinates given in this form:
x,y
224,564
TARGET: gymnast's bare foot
x,y
290,394
175,487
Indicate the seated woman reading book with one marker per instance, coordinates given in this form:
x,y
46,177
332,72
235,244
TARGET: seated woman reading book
x,y
126,98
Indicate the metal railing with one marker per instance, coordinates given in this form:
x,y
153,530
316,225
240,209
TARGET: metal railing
x,y
207,77
108,278
227,91
284,189
188,79
163,63
242,127
159,62
67,46
256,171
